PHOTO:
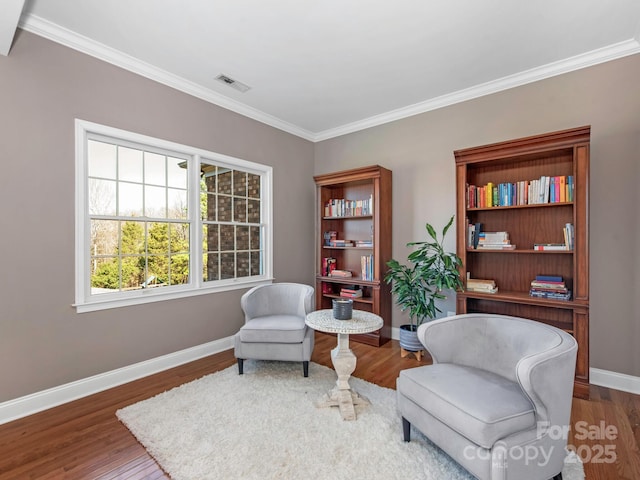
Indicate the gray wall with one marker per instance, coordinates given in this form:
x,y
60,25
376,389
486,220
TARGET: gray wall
x,y
419,151
43,87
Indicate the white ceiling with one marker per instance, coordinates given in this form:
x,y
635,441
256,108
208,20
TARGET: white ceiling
x,y
319,69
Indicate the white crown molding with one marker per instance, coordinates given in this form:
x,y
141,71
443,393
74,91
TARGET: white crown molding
x,y
43,28
595,57
63,36
39,401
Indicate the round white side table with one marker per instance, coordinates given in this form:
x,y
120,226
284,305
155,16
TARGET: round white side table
x,y
343,359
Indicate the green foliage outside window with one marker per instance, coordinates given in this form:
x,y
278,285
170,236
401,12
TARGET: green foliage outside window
x,y
162,260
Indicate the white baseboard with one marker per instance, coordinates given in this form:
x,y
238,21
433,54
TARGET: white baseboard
x,y
395,333
615,380
39,401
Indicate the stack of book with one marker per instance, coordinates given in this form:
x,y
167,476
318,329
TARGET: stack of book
x,y
550,246
481,286
550,286
364,243
340,273
494,241
351,291
329,236
340,243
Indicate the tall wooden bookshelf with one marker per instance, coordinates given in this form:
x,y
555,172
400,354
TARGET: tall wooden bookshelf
x,y
558,154
356,205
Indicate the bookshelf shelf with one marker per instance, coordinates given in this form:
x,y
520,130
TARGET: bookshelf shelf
x,y
349,217
517,251
368,300
365,189
520,298
348,281
327,247
560,155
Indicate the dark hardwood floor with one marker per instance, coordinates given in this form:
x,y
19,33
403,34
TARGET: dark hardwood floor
x,y
84,439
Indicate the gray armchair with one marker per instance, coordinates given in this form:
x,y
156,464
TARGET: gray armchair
x,y
274,326
497,396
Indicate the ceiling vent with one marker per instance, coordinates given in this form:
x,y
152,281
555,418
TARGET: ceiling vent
x,y
232,83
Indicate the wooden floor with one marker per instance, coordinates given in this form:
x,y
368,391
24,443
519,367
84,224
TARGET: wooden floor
x,y
84,439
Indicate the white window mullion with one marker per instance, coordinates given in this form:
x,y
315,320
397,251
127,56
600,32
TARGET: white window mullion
x,y
266,222
195,217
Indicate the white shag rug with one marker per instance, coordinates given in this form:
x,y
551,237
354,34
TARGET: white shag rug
x,y
264,425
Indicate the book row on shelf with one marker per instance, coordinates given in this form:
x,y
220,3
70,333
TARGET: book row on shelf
x,y
543,286
329,268
366,267
546,189
340,207
479,240
568,233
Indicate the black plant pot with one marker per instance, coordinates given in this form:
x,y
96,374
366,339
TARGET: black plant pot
x,y
409,338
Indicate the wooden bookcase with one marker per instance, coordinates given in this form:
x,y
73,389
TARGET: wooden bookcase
x,y
563,153
369,188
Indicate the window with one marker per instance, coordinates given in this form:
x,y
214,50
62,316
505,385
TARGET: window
x,y
150,214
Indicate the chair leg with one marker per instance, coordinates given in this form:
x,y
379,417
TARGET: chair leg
x,y
305,368
240,365
406,429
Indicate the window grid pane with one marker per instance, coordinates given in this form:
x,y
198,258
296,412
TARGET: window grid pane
x,y
139,223
232,234
130,253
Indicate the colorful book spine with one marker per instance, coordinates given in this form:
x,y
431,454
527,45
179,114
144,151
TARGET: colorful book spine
x,y
366,267
546,189
340,207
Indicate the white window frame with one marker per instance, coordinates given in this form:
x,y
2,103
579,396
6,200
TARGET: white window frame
x,y
85,302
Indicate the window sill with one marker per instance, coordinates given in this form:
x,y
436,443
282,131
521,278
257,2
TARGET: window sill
x,y
155,295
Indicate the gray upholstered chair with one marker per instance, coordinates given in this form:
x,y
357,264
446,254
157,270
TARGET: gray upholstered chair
x,y
274,327
497,397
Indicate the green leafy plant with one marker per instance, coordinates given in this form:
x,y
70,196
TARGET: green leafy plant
x,y
429,271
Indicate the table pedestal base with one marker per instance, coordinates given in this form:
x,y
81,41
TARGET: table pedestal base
x,y
343,359
345,400
341,396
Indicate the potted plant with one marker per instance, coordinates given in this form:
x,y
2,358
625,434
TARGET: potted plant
x,y
421,282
